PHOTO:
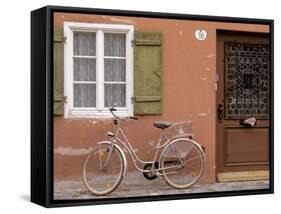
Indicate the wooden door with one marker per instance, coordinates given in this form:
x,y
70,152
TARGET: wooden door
x,y
243,87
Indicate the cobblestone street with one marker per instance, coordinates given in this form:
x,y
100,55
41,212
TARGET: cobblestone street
x,y
134,184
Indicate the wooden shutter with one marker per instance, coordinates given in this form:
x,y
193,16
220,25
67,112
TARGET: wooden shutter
x,y
147,72
58,96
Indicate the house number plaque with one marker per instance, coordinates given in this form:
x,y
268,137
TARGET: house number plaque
x,y
201,34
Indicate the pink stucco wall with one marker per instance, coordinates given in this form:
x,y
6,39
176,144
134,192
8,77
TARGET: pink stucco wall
x,y
189,93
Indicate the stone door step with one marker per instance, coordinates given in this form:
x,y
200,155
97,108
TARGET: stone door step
x,y
243,176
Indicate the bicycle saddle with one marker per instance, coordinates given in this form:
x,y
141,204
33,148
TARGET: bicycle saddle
x,y
162,124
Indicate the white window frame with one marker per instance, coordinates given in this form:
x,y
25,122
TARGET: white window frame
x,y
99,111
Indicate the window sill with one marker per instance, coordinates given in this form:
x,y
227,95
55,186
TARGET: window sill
x,y
81,114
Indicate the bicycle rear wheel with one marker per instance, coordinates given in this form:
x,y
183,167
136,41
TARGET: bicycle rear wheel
x,y
182,163
103,169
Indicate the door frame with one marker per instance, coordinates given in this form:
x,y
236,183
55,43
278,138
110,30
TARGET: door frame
x,y
249,175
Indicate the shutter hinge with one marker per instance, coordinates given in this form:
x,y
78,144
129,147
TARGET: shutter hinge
x,y
133,99
65,99
133,42
64,39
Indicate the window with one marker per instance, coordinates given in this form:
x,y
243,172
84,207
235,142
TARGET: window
x,y
98,69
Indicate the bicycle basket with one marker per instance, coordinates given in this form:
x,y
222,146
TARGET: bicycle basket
x,y
179,129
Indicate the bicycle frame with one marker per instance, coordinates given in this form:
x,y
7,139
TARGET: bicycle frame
x,y
126,144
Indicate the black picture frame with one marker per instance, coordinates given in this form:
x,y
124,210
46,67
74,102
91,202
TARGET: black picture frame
x,y
42,107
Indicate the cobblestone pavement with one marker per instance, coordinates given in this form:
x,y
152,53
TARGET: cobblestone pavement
x,y
134,184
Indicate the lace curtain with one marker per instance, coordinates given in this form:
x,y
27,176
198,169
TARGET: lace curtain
x,y
114,72
84,69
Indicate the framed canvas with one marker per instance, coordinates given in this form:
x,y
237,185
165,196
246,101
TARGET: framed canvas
x,y
132,106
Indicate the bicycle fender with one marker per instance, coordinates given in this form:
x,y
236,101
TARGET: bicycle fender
x,y
121,151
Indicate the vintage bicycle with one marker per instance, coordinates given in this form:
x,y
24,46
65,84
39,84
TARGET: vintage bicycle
x,y
180,162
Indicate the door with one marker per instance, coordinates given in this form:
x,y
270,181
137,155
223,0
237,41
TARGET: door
x,y
243,87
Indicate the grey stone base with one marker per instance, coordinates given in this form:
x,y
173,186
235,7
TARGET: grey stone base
x,y
134,184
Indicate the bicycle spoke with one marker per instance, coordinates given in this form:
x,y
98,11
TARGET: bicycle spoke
x,y
182,164
103,170
195,158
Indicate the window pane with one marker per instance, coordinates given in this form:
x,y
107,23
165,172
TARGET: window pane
x,y
84,95
84,43
114,95
84,69
114,70
114,44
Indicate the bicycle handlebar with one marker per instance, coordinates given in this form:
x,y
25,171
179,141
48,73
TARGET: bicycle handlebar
x,y
134,118
112,109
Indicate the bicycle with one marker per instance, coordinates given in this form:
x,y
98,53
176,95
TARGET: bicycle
x,y
180,164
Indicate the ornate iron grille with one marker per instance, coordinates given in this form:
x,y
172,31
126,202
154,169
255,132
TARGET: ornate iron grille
x,y
247,69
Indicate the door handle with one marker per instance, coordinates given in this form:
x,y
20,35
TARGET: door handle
x,y
220,112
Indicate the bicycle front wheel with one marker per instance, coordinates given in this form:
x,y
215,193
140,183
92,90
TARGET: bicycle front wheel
x,y
103,169
182,163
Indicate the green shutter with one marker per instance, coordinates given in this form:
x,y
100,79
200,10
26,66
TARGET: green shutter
x,y
147,72
58,42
